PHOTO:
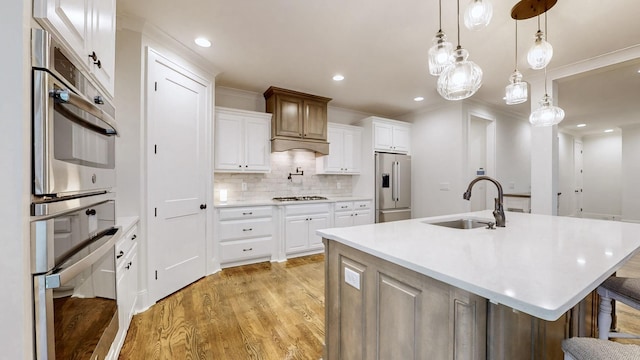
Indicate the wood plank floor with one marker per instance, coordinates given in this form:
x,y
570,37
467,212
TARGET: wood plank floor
x,y
261,311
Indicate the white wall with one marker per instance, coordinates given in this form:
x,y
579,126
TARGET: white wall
x,y
437,153
602,175
15,66
631,173
440,163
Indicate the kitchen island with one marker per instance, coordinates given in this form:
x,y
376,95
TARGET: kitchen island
x,y
417,290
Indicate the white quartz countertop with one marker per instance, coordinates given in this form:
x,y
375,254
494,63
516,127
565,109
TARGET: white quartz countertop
x,y
538,264
270,202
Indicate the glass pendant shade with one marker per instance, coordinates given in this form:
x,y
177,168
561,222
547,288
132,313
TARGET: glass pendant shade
x,y
461,79
540,53
478,14
439,54
517,91
547,114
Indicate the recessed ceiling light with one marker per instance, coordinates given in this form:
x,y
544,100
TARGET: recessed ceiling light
x,y
608,130
418,98
338,77
202,42
581,125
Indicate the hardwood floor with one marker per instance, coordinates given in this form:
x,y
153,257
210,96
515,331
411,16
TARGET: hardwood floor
x,y
261,311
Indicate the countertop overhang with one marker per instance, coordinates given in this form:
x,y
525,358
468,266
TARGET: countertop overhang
x,y
539,264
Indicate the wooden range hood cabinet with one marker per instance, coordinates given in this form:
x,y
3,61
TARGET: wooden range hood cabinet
x,y
299,120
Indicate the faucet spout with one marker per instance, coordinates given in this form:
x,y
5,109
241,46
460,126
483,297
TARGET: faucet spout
x,y
498,212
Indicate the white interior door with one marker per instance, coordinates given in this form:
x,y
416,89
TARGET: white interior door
x,y
578,163
177,163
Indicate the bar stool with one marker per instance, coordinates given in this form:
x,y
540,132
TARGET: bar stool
x,y
597,349
622,289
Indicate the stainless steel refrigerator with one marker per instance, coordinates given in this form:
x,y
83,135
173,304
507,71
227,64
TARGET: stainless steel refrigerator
x,y
393,187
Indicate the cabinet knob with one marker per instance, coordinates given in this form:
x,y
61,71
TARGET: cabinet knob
x,y
129,265
239,166
246,166
134,237
93,56
203,206
90,212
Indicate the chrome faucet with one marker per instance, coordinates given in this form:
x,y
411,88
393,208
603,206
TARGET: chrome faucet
x,y
498,212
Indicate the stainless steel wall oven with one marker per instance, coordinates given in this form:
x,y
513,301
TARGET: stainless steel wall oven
x,y
73,223
73,127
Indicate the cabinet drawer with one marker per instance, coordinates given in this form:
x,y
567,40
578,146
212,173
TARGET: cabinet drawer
x,y
124,245
344,206
245,213
365,204
245,249
239,229
307,209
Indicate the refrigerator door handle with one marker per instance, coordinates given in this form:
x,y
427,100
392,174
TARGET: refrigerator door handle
x,y
397,181
394,183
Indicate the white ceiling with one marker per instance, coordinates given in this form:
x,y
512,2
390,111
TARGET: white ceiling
x,y
381,49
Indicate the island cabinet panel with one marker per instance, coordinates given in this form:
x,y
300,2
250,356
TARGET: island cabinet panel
x,y
379,310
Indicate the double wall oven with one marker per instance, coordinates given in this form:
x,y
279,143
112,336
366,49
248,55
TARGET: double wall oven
x,y
73,223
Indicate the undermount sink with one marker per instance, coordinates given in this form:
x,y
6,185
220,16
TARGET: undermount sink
x,y
464,223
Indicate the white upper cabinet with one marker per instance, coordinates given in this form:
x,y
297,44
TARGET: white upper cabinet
x,y
85,27
242,141
391,137
344,150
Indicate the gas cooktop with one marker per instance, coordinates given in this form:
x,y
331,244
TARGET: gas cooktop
x,y
299,198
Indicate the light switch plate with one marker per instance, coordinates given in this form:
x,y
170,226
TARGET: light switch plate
x,y
352,278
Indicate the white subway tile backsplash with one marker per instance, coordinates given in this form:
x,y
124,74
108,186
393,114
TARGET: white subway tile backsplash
x,y
267,186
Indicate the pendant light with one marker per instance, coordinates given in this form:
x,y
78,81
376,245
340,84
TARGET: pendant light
x,y
478,14
517,90
440,52
541,51
462,78
547,114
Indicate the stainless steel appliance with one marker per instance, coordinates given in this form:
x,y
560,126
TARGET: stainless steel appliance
x,y
393,187
73,230
73,127
74,280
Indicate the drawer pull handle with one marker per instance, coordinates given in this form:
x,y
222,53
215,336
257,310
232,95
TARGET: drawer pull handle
x,y
128,265
134,237
249,249
247,213
120,254
343,207
249,229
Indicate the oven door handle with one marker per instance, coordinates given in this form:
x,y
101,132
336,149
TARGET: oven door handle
x,y
56,280
68,97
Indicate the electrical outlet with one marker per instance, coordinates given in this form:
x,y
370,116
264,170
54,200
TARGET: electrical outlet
x,y
352,278
445,186
244,186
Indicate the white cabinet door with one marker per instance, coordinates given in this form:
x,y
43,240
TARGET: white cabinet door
x,y
382,136
257,148
103,43
296,233
317,221
362,217
229,140
70,20
352,151
343,218
334,161
401,138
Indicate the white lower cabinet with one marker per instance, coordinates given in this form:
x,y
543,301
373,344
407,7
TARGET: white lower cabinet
x,y
245,235
126,285
301,223
350,213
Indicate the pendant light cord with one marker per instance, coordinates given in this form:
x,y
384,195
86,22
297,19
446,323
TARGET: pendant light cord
x,y
545,37
440,13
458,23
516,59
